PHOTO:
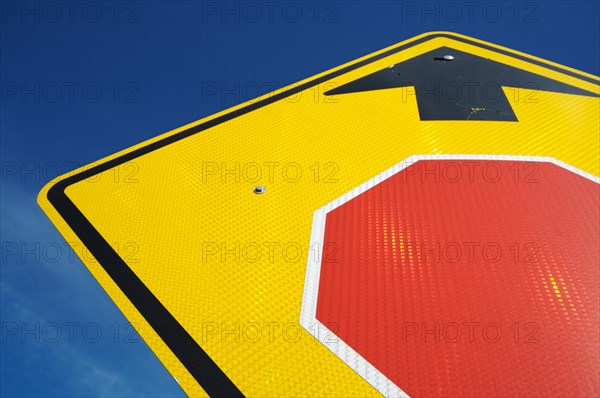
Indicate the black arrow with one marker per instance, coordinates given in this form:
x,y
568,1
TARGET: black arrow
x,y
455,85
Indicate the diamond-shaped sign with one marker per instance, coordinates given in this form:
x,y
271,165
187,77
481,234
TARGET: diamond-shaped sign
x,y
201,235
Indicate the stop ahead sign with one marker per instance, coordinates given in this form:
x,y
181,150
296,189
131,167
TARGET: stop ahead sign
x,y
201,236
463,276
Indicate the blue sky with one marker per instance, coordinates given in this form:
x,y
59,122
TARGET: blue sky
x,y
82,81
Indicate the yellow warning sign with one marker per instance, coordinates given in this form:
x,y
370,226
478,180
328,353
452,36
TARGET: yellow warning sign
x,y
201,236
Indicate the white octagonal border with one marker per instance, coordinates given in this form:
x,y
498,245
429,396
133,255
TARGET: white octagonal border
x,y
308,318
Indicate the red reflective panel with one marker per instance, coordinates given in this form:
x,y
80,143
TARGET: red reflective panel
x,y
470,278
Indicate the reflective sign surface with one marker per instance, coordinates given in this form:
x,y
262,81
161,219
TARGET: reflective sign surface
x,y
212,273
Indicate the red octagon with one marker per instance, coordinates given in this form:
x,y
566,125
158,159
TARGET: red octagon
x,y
467,277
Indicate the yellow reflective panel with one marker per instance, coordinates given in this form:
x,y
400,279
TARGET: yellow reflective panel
x,y
212,274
